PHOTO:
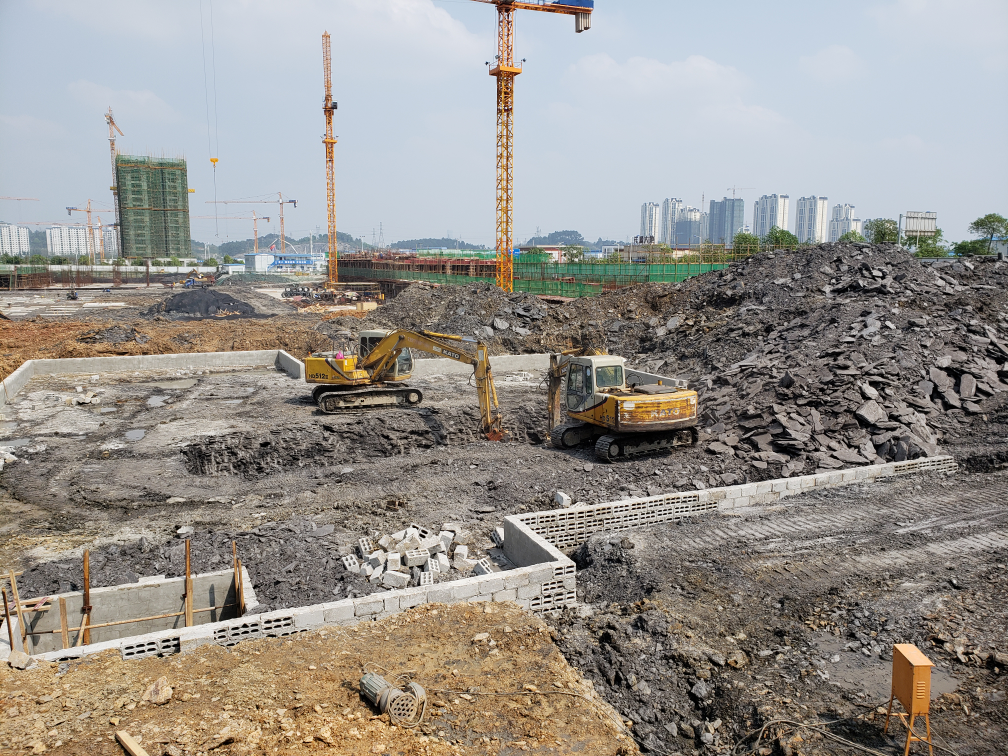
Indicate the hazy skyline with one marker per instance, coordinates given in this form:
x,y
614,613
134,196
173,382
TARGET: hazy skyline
x,y
889,106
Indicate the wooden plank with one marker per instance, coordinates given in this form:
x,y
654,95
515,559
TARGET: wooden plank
x,y
129,744
20,612
80,630
10,631
188,587
241,591
63,622
86,609
237,577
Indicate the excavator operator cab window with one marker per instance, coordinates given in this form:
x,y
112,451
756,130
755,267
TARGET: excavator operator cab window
x,y
579,385
404,363
368,343
609,376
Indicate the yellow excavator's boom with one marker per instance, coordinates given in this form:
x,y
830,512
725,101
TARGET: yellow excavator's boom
x,y
383,357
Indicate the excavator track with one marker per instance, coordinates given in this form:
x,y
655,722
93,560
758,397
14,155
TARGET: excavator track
x,y
612,446
571,436
342,400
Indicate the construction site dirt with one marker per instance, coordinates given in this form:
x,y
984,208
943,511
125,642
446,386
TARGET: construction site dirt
x,y
696,633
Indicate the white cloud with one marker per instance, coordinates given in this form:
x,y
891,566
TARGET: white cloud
x,y
835,64
142,104
695,89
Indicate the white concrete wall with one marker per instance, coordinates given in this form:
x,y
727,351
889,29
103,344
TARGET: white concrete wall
x,y
275,358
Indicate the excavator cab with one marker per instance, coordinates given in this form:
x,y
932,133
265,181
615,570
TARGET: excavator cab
x,y
589,376
622,410
404,362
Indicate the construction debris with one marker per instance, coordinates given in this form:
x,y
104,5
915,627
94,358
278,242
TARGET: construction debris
x,y
414,556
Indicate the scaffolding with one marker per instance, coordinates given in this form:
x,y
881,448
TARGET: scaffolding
x,y
540,273
153,196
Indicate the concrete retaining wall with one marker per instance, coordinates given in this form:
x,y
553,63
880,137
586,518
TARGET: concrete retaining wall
x,y
150,597
275,358
572,526
500,363
541,586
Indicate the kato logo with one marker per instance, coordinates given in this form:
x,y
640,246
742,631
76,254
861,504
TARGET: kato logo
x,y
447,353
660,414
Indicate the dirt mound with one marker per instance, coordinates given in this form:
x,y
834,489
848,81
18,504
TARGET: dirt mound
x,y
509,323
248,279
201,303
300,695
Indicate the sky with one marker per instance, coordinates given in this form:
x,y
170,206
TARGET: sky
x,y
889,105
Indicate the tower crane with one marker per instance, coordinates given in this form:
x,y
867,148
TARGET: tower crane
x,y
329,107
255,224
505,70
90,229
280,200
112,129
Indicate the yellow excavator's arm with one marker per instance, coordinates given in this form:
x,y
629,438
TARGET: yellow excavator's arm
x,y
383,357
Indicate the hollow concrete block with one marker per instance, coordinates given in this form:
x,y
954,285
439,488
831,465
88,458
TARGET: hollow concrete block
x,y
530,590
368,605
309,617
516,578
464,589
338,611
440,595
491,585
412,597
506,595
541,574
391,600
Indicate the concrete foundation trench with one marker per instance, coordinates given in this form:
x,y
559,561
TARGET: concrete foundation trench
x,y
158,617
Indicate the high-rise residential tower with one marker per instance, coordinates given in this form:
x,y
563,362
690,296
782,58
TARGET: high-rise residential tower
x,y
650,220
670,210
770,210
14,240
727,218
842,221
811,219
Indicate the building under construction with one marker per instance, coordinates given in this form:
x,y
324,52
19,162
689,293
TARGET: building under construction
x,y
153,196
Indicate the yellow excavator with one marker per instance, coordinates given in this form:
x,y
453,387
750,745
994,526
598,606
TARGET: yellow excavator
x,y
376,375
625,412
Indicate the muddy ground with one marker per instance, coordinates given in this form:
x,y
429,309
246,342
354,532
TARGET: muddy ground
x,y
752,609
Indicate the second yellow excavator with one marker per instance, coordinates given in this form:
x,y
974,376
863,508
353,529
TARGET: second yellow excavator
x,y
375,375
624,412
